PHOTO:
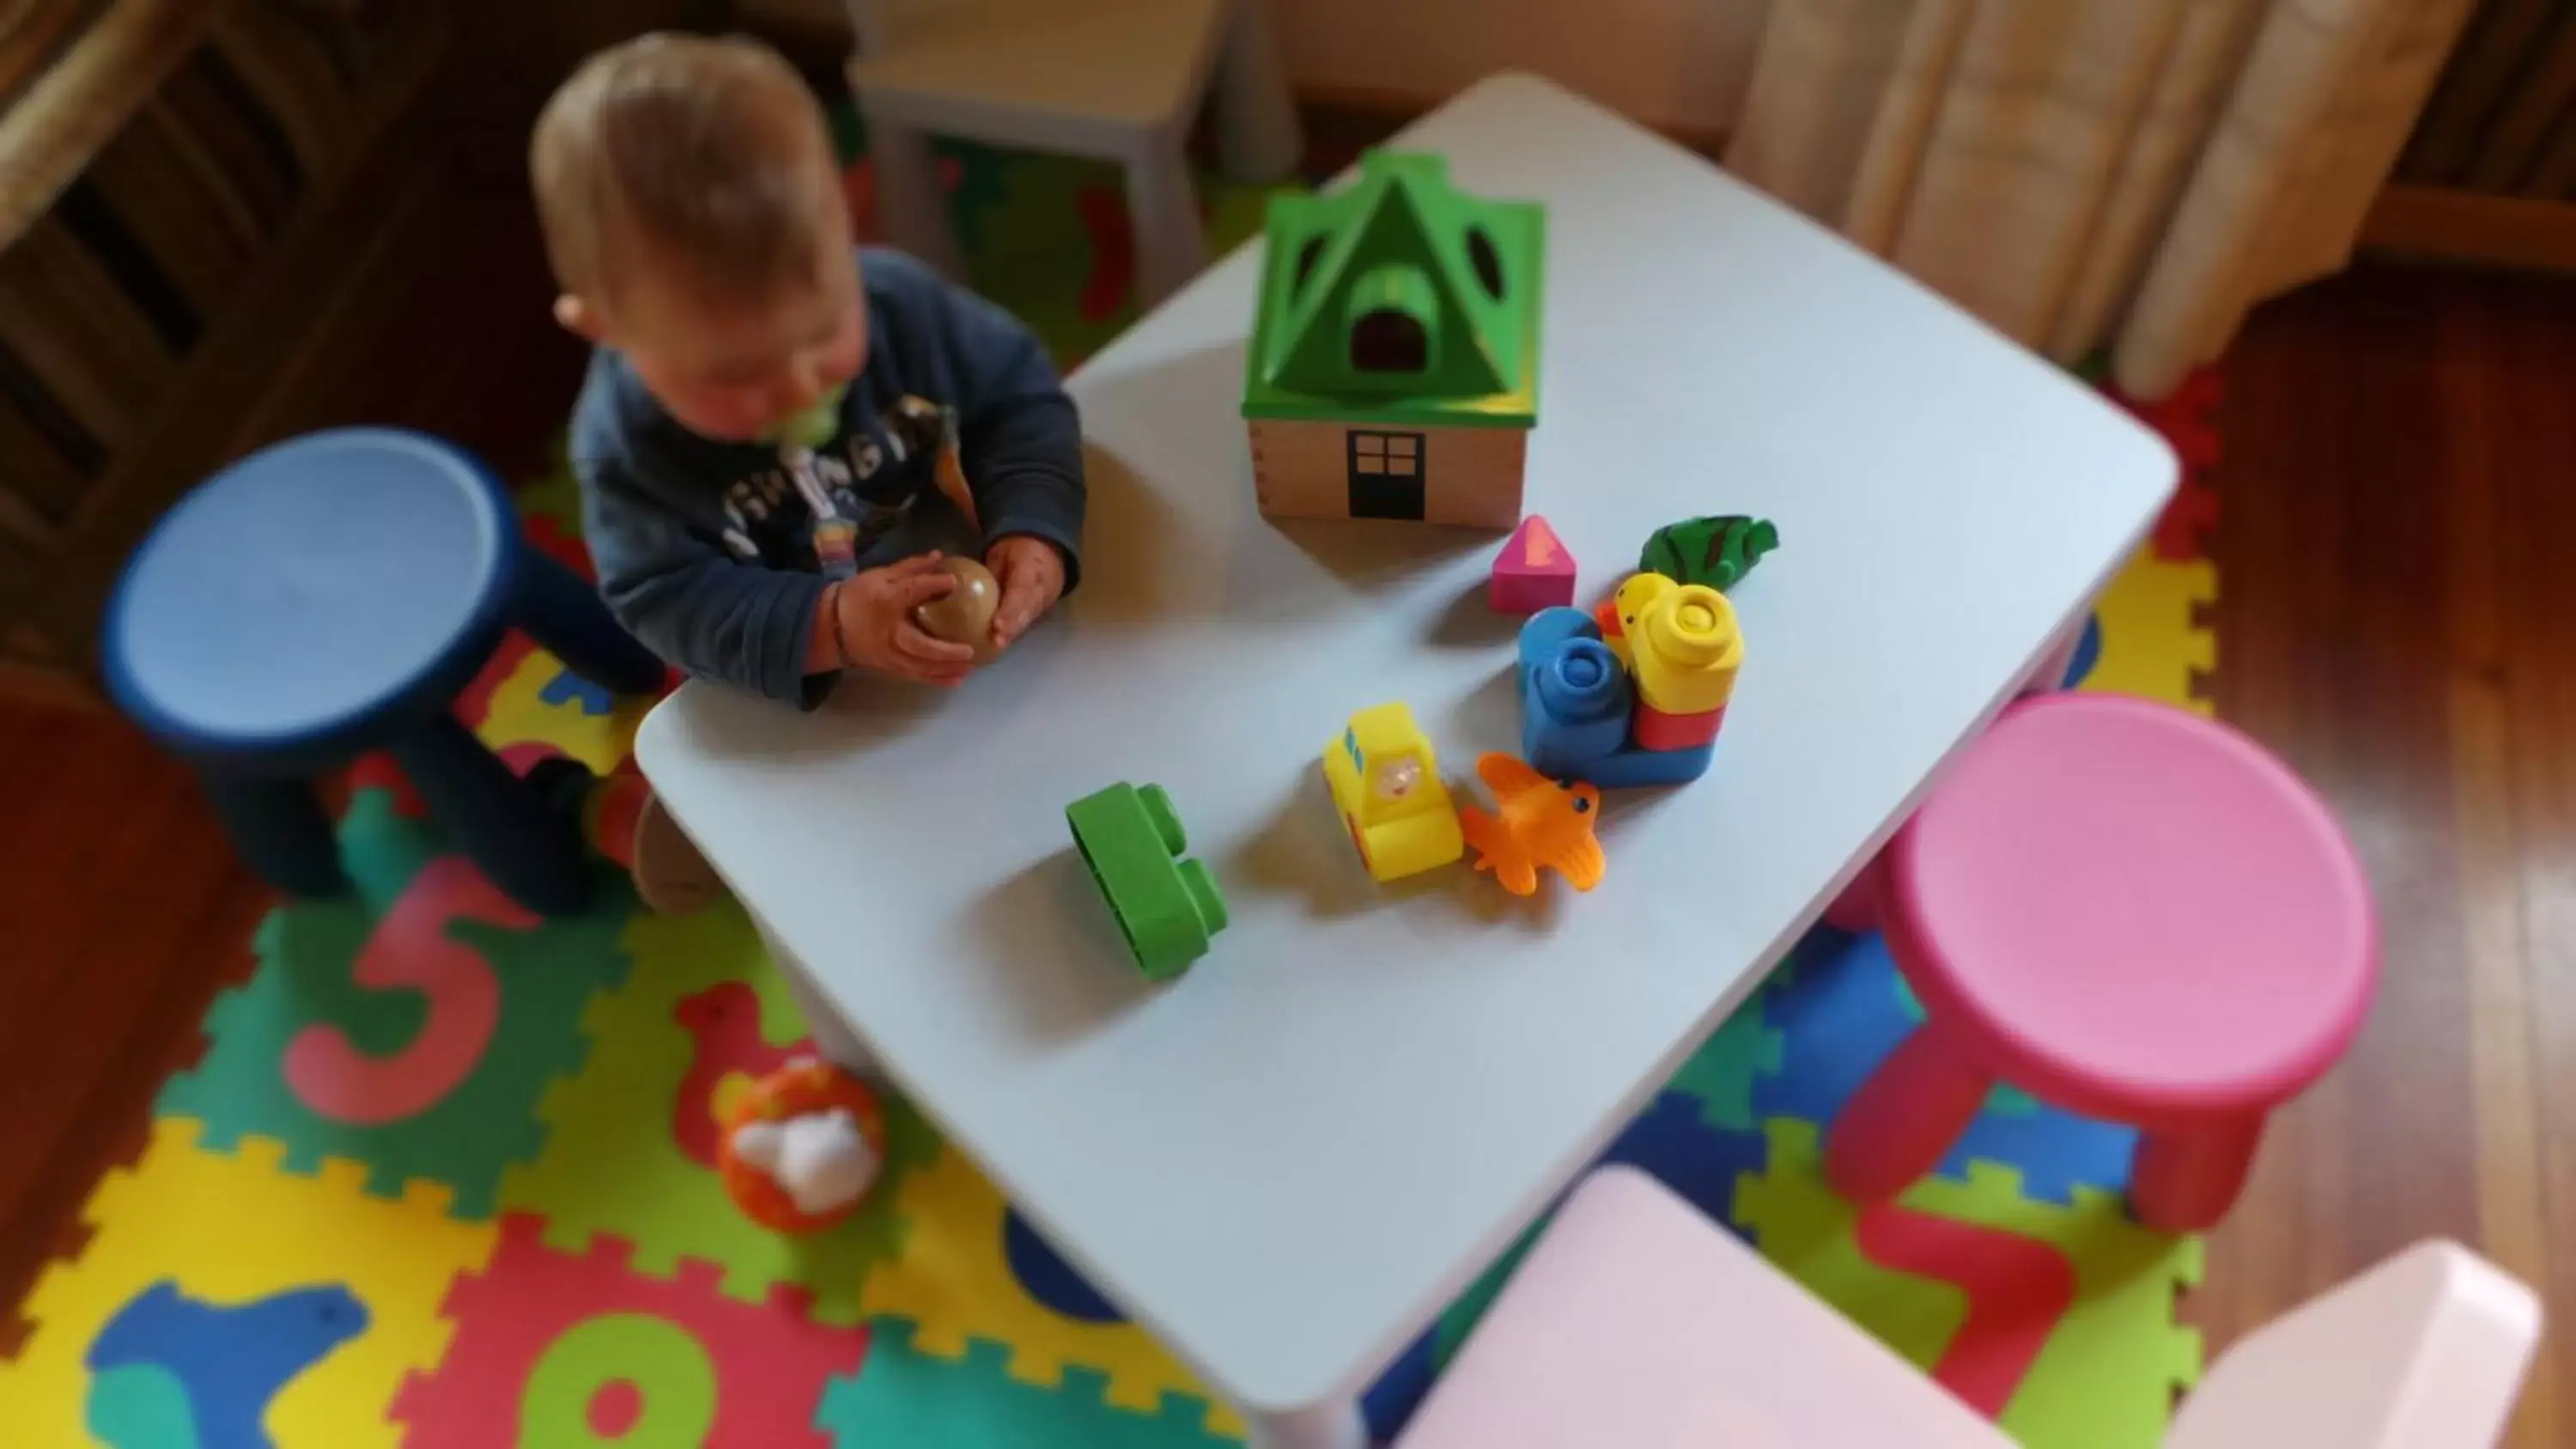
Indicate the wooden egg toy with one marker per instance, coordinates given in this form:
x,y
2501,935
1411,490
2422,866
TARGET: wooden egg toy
x,y
965,616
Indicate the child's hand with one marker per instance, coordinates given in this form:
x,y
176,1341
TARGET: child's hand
x,y
873,612
1032,577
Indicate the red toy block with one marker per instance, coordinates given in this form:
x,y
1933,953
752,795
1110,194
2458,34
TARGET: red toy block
x,y
1533,571
1656,730
556,1349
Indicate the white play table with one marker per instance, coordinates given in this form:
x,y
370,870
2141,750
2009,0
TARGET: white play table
x,y
1285,1163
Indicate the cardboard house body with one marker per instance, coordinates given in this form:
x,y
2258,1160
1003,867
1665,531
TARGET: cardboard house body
x,y
1393,371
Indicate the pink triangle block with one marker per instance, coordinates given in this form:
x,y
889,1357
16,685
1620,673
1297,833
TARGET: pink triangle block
x,y
1533,572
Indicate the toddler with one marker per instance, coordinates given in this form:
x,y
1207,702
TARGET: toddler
x,y
760,437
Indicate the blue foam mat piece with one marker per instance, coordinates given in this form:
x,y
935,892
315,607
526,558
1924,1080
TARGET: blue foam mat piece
x,y
570,688
2088,652
1672,1140
1389,1403
1845,1008
1045,1276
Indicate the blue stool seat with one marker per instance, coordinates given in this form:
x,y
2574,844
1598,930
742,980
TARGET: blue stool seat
x,y
332,595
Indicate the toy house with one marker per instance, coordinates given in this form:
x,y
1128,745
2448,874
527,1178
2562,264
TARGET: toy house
x,y
1393,371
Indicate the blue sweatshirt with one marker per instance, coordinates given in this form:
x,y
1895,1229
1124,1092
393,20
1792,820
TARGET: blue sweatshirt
x,y
706,549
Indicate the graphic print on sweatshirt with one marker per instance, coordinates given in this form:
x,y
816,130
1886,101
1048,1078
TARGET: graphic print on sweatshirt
x,y
820,511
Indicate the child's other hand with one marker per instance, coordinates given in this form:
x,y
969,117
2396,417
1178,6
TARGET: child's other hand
x,y
1032,578
874,613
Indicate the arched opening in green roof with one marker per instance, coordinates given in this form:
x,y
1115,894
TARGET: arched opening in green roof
x,y
1393,316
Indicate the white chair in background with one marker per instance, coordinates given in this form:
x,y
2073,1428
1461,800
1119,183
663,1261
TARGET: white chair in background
x,y
1638,1324
1119,80
2425,1351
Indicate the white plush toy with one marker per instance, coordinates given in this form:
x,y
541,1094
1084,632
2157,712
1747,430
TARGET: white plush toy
x,y
821,1160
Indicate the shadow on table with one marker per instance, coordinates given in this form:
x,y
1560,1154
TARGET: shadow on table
x,y
1490,719
735,724
1124,521
1471,623
1055,955
1306,853
996,695
1361,552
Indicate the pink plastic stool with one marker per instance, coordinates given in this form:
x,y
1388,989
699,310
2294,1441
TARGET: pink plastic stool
x,y
2128,911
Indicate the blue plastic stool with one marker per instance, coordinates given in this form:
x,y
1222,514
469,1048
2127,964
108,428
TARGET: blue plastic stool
x,y
329,596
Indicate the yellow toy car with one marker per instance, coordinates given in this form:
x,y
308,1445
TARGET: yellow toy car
x,y
1387,785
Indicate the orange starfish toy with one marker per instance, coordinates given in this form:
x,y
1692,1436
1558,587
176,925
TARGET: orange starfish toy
x,y
1543,822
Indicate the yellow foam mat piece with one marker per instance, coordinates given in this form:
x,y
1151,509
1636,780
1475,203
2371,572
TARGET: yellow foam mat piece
x,y
520,714
2154,641
952,1281
233,1230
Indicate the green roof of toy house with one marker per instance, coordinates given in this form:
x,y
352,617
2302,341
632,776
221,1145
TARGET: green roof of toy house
x,y
1399,299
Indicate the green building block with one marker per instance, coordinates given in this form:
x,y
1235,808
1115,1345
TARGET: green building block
x,y
1463,272
1716,551
1165,906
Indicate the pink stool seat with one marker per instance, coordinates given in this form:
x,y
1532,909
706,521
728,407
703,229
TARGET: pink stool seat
x,y
2127,910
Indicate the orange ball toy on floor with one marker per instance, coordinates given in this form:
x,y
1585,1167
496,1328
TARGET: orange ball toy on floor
x,y
803,1148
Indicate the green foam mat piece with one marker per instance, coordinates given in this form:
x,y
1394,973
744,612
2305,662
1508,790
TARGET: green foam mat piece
x,y
907,1398
1722,1072
142,1406
2111,1363
427,1068
614,1166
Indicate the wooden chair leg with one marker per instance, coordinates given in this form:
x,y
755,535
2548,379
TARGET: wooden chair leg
x,y
1257,133
1163,209
912,210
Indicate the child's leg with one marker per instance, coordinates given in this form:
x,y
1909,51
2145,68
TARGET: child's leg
x,y
628,825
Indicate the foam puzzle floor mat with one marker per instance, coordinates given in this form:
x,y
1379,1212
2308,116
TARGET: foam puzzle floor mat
x,y
444,1175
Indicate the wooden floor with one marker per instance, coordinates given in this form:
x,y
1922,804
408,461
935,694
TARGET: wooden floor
x,y
2396,618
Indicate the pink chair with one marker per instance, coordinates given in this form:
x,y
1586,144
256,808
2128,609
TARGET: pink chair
x,y
2125,910
1638,1324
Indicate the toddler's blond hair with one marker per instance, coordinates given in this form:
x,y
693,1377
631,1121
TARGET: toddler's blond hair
x,y
710,155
